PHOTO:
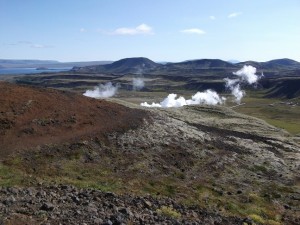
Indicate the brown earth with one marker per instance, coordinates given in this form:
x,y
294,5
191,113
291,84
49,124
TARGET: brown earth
x,y
31,116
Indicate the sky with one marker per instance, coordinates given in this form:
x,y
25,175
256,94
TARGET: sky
x,y
161,30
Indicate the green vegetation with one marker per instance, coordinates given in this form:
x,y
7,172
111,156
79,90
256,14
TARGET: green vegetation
x,y
280,113
257,218
9,176
168,212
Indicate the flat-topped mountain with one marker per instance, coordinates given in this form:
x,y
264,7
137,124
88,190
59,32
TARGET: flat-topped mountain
x,y
127,65
204,64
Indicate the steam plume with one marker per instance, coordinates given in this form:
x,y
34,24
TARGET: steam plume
x,y
208,97
138,83
245,75
102,91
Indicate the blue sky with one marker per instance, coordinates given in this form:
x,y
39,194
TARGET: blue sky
x,y
162,30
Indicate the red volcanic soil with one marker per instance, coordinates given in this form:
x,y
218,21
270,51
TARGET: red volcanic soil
x,y
31,116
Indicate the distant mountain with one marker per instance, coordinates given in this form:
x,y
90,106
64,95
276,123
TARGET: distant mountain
x,y
204,64
200,67
280,63
17,63
127,65
276,64
12,63
257,65
26,61
233,61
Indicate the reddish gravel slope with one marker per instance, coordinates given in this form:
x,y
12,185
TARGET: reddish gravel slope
x,y
31,116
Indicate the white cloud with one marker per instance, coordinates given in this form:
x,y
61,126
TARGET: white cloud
x,y
212,17
40,46
235,14
141,29
29,44
37,46
193,31
82,30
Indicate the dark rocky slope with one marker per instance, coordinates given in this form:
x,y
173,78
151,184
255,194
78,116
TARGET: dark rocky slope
x,y
69,205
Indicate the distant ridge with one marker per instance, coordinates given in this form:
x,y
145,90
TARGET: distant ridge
x,y
276,64
257,65
287,63
205,64
216,67
16,63
145,65
127,65
233,61
31,63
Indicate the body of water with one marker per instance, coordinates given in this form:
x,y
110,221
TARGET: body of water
x,y
14,71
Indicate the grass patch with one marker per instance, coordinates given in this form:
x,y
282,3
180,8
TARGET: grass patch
x,y
276,112
257,218
9,176
259,168
168,212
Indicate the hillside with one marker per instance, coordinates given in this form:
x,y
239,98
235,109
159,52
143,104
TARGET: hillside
x,y
285,88
34,116
128,65
276,64
204,64
212,159
281,63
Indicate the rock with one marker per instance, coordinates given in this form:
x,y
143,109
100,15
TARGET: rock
x,y
126,211
9,200
239,192
97,221
76,199
13,190
247,221
147,204
99,208
92,210
108,222
109,194
47,207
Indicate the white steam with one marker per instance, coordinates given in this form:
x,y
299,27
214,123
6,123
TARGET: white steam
x,y
102,91
246,75
208,97
138,84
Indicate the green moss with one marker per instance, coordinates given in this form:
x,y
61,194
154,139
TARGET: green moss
x,y
170,190
168,212
272,222
257,218
259,168
9,177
